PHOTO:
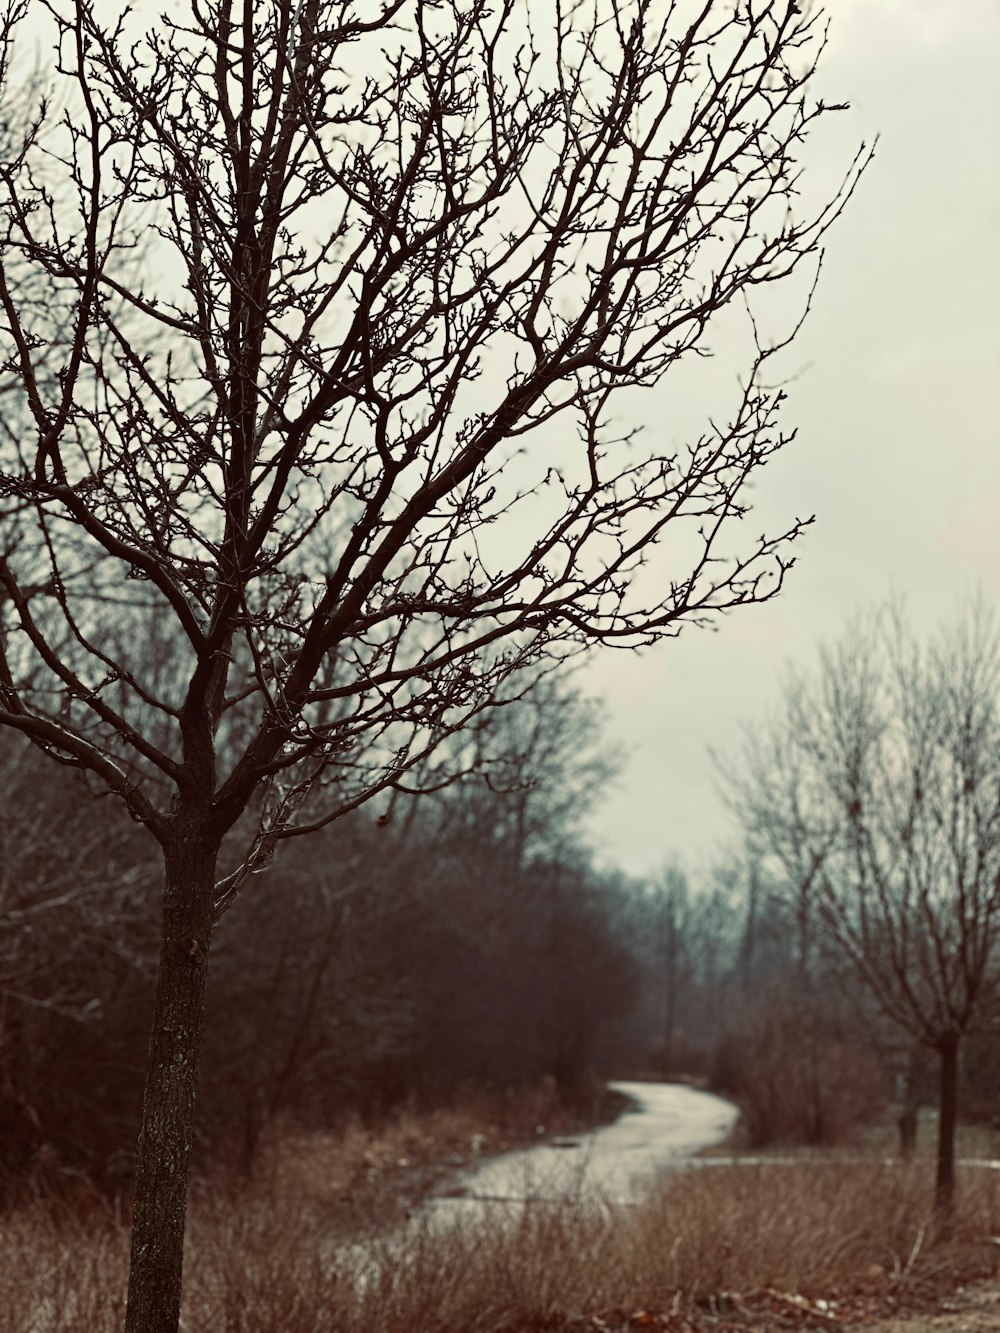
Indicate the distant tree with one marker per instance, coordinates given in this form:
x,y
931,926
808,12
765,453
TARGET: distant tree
x,y
340,971
685,938
545,759
672,950
399,261
771,788
896,807
501,860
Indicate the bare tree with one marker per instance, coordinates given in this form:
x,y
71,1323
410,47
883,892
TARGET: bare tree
x,y
545,761
772,791
402,258
672,915
896,752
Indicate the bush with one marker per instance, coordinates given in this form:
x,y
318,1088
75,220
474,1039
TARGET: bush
x,y
800,1076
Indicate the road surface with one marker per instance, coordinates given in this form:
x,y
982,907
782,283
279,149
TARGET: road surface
x,y
667,1124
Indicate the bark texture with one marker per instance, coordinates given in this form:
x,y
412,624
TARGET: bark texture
x,y
165,1140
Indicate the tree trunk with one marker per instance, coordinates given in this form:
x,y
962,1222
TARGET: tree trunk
x,y
908,1129
947,1121
161,1178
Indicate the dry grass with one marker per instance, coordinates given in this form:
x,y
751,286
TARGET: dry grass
x,y
61,1273
973,1141
261,1258
358,1167
878,1141
814,1227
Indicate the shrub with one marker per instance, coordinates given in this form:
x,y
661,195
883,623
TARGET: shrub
x,y
800,1076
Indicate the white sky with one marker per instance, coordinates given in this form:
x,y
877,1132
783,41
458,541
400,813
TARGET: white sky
x,y
898,452
897,407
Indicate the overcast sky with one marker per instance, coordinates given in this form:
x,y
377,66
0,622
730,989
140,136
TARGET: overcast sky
x,y
898,453
897,410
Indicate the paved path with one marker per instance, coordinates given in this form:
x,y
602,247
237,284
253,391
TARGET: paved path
x,y
614,1164
667,1124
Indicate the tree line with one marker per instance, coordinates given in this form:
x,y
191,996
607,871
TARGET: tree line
x,y
461,936
454,939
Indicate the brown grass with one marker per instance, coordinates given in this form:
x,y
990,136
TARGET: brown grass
x,y
262,1258
973,1141
361,1168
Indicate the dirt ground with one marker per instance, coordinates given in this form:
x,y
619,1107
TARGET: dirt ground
x,y
972,1309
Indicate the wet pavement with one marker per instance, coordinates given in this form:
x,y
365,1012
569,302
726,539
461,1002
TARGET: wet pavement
x,y
611,1166
667,1124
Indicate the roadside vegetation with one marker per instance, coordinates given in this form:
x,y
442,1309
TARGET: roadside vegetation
x,y
446,979
823,1245
454,949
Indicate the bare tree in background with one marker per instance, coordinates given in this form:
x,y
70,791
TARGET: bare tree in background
x,y
546,761
772,792
672,916
896,805
402,258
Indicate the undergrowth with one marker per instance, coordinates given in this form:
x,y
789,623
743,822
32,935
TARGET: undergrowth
x,y
262,1258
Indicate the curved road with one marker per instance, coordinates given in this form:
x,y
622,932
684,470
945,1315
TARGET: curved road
x,y
667,1124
